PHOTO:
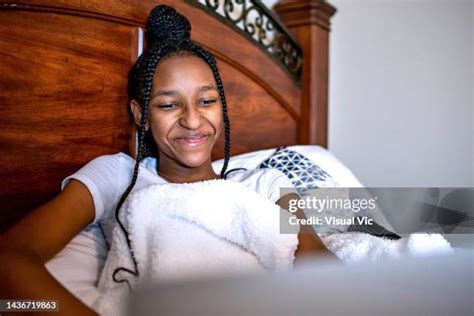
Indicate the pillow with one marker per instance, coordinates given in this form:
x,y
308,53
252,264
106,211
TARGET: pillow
x,y
249,160
308,167
303,173
317,154
329,163
78,266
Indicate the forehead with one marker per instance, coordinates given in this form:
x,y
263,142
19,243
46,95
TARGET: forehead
x,y
182,70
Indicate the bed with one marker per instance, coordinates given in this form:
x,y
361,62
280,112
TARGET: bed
x,y
64,100
64,68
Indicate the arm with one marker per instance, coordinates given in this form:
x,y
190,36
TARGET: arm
x,y
308,241
28,245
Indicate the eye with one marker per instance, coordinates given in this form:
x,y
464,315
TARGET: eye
x,y
207,102
167,107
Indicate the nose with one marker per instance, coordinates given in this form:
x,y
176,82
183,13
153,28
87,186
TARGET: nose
x,y
191,117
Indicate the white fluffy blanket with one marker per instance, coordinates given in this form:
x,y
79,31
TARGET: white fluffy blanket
x,y
185,231
356,247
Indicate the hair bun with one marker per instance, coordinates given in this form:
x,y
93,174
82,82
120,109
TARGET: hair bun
x,y
165,23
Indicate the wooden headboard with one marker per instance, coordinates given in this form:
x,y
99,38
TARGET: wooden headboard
x,y
64,67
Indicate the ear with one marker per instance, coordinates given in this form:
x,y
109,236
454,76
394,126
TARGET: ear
x,y
137,113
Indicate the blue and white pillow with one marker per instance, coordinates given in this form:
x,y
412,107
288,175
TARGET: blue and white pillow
x,y
306,175
303,173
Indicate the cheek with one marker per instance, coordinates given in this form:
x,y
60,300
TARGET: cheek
x,y
159,128
218,121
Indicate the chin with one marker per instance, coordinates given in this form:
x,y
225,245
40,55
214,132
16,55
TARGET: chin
x,y
194,162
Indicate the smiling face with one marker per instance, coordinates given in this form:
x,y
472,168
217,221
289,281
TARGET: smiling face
x,y
185,112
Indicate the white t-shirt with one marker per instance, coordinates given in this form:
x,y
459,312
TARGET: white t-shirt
x,y
107,177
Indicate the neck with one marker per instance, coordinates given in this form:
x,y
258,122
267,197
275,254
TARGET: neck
x,y
172,171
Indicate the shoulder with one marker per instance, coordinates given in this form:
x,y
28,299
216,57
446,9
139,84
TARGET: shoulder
x,y
268,182
119,162
258,175
106,162
102,170
115,159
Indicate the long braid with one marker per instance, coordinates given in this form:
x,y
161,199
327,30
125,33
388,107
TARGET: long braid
x,y
142,149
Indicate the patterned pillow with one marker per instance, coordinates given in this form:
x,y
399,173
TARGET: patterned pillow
x,y
306,175
303,173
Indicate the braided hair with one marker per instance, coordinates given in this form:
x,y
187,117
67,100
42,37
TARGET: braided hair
x,y
168,35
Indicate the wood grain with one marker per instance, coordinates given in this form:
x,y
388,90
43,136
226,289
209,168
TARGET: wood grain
x,y
257,119
63,101
309,21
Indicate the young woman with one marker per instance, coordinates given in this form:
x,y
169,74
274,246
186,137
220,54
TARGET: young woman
x,y
178,103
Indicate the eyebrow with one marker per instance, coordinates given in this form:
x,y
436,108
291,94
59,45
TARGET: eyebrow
x,y
206,88
172,93
165,93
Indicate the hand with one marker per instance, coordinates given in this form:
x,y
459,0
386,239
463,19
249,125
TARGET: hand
x,y
308,240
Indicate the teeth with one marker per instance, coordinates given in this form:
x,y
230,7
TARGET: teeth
x,y
192,139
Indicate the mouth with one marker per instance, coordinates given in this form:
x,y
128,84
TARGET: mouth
x,y
192,140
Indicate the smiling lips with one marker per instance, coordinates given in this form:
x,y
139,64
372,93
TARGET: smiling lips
x,y
192,140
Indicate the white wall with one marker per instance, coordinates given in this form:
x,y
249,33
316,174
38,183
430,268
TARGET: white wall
x,y
401,100
401,91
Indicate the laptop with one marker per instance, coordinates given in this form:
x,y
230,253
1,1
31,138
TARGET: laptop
x,y
441,285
